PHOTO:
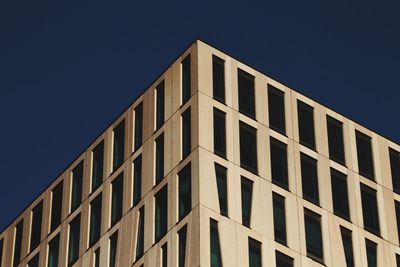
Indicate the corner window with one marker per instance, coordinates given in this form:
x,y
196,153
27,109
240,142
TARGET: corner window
x,y
161,213
160,99
140,234
222,188
186,79
117,188
276,109
219,133
247,195
312,223
74,240
36,227
309,178
370,209
335,140
254,253
95,220
347,246
56,206
182,235
113,249
54,247
395,169
138,126
215,250
185,191
279,165
97,165
278,203
159,158
119,145
248,147
186,133
77,182
18,242
306,124
247,104
218,71
364,155
340,196
283,260
371,253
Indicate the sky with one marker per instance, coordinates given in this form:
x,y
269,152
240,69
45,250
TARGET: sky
x,y
69,68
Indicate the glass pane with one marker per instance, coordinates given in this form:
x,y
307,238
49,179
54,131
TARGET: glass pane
x,y
18,242
364,155
335,140
246,193
116,199
276,109
186,133
119,145
247,105
77,182
97,258
347,246
137,179
215,251
371,253
370,209
161,213
312,222
306,124
138,125
159,158
248,147
219,133
339,194
309,177
34,262
140,235
113,249
254,253
397,209
160,104
74,239
36,228
185,191
395,169
53,251
283,260
56,206
186,79
279,169
218,79
182,245
221,176
97,168
95,220
164,249
279,218
1,249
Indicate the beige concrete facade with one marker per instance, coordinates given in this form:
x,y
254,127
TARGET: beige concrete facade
x,y
233,236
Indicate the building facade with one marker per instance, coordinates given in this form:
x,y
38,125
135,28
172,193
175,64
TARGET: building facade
x,y
216,164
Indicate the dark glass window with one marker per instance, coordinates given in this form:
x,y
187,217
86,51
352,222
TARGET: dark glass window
x,y
279,165
138,125
186,133
340,196
95,220
137,180
77,182
34,262
116,198
186,79
182,246
164,251
254,253
1,250
222,188
113,249
371,253
219,133
185,191
248,147
97,258
218,78
397,210
247,104
54,247
279,218
18,242
215,250
119,145
160,92
140,235
97,168
347,246
395,169
312,223
306,124
309,178
370,209
161,213
283,260
364,155
335,140
247,195
397,260
159,158
36,227
56,205
74,239
276,109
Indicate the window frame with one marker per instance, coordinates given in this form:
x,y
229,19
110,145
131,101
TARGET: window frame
x,y
283,148
186,140
330,121
246,183
251,113
160,104
218,62
368,141
304,113
310,160
394,158
342,197
186,79
280,200
243,144
372,193
118,145
317,220
223,202
219,124
275,92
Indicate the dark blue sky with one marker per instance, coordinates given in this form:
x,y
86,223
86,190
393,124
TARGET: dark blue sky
x,y
68,69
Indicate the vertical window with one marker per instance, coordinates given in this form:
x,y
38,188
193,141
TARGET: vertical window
x,y
254,253
36,227
309,177
276,109
95,220
1,250
56,206
347,246
76,190
18,242
182,246
312,223
186,133
246,194
370,209
371,253
186,79
219,133
137,180
54,246
340,196
74,240
119,145
278,202
247,104
397,260
160,104
335,140
222,188
395,169
364,155
161,213
279,165
113,249
283,260
215,251
159,158
116,198
397,210
218,78
248,147
138,125
34,262
97,258
306,124
97,167
140,235
164,251
185,190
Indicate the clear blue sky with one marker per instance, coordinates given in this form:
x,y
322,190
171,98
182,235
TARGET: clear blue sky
x,y
68,69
